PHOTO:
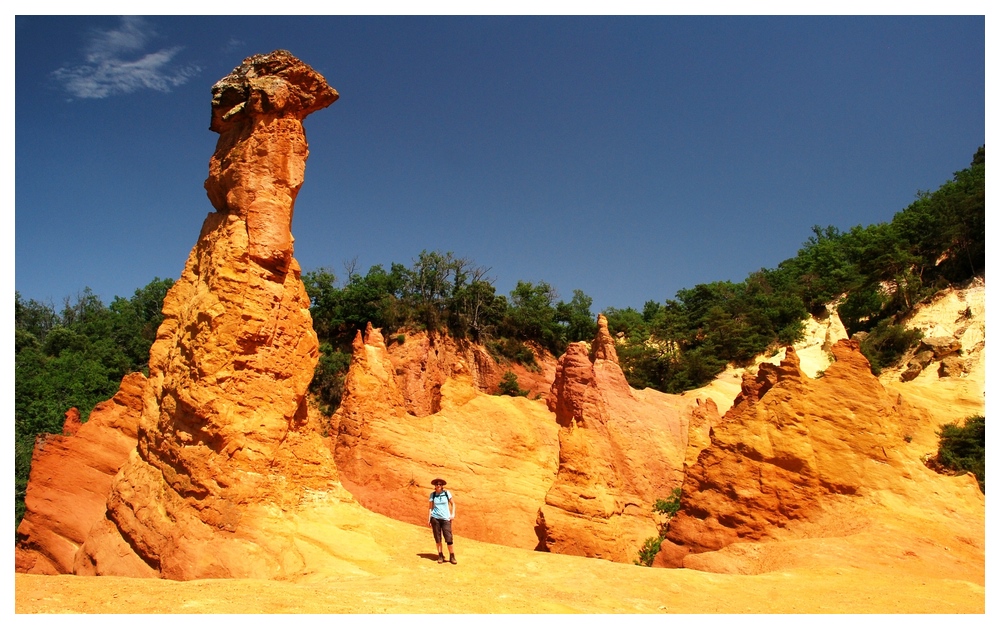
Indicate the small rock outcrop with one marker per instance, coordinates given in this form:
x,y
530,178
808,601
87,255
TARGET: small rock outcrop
x,y
952,367
776,456
945,349
940,346
916,365
225,443
71,475
953,322
72,422
755,385
619,451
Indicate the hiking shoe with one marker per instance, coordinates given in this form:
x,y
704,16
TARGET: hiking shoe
x,y
453,560
441,558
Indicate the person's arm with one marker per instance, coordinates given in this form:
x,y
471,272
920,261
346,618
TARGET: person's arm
x,y
430,511
451,506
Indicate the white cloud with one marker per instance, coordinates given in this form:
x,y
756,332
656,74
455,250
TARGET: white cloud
x,y
233,45
115,64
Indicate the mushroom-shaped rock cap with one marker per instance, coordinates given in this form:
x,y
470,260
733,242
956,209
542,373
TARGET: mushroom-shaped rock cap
x,y
277,83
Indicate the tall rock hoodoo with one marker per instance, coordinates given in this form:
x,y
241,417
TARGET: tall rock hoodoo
x,y
619,451
225,446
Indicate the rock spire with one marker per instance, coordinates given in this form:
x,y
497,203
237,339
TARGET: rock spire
x,y
225,443
619,451
260,160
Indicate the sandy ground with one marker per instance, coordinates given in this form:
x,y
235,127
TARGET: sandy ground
x,y
380,566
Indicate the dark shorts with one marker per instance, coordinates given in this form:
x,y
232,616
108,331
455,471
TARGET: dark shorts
x,y
441,527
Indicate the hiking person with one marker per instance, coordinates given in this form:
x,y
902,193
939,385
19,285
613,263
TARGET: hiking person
x,y
442,512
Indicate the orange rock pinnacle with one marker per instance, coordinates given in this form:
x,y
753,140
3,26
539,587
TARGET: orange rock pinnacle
x,y
225,444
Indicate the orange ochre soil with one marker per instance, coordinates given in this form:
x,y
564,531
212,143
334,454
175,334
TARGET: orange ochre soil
x,y
375,565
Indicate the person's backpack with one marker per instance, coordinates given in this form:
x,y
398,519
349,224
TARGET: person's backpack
x,y
446,494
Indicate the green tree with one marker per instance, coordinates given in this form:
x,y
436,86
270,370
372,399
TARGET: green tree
x,y
134,322
510,386
75,358
576,317
963,448
531,316
628,321
647,553
476,310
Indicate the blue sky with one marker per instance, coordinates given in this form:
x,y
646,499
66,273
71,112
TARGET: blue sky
x,y
628,157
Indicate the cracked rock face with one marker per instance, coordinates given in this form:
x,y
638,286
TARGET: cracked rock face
x,y
224,442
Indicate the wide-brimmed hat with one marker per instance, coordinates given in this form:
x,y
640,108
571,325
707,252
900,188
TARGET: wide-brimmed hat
x,y
438,481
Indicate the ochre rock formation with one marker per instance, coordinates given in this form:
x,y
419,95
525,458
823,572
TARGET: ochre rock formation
x,y
425,362
260,160
813,350
70,478
72,422
619,451
225,443
413,413
788,450
704,417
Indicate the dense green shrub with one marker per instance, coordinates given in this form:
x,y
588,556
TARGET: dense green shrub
x,y
328,379
510,386
532,317
671,505
963,448
887,343
648,551
510,349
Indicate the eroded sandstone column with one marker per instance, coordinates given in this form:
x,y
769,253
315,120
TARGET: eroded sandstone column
x,y
225,444
619,451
